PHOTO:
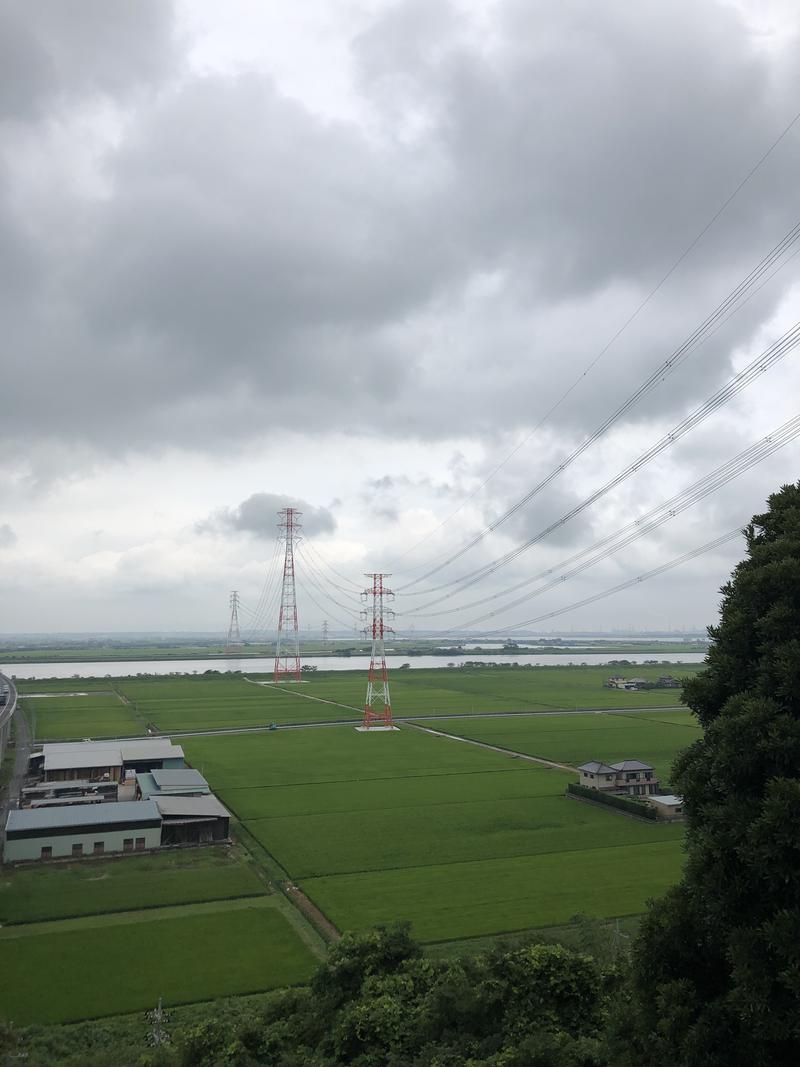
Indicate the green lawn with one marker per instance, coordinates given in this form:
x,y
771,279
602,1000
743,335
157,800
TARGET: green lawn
x,y
52,891
90,971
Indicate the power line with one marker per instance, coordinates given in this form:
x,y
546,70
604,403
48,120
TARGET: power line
x,y
687,557
639,527
634,315
760,365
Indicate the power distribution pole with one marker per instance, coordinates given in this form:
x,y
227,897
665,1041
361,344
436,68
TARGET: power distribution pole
x,y
233,642
287,648
378,706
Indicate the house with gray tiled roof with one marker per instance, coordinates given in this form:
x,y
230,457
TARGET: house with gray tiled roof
x,y
630,777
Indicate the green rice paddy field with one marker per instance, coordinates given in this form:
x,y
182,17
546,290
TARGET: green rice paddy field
x,y
460,840
80,940
221,702
86,971
463,841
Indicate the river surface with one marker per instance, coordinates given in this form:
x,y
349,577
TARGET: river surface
x,y
264,665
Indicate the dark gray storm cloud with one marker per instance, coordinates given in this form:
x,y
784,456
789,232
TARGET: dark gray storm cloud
x,y
449,271
258,516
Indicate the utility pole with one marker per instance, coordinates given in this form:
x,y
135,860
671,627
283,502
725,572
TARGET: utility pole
x,y
233,642
287,647
325,633
378,705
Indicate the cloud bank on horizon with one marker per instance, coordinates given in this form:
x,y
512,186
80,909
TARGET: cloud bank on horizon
x,y
352,259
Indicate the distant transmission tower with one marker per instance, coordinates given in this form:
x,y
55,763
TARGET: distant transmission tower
x,y
233,642
287,648
325,632
378,706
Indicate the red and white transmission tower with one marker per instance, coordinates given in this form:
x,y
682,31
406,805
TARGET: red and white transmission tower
x,y
287,648
233,642
378,706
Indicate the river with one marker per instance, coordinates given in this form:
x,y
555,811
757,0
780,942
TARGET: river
x,y
264,665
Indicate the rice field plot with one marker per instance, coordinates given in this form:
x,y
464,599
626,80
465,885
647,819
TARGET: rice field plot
x,y
474,899
463,690
575,739
447,832
69,718
200,703
459,840
88,968
34,893
222,701
64,686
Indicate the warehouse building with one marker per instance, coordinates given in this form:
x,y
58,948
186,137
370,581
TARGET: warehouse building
x,y
104,760
95,829
192,820
183,782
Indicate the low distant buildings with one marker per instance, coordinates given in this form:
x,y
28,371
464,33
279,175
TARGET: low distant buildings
x,y
629,777
634,685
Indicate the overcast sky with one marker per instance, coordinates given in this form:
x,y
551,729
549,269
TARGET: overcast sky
x,y
346,254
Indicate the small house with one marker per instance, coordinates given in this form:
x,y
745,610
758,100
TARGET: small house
x,y
630,777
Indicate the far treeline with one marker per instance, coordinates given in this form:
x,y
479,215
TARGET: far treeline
x,y
711,978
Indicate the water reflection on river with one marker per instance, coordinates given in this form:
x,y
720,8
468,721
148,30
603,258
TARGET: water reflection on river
x,y
264,665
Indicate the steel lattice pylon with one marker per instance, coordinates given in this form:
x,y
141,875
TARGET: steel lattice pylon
x,y
233,642
378,705
287,648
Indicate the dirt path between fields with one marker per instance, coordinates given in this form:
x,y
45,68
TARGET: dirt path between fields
x,y
318,919
495,748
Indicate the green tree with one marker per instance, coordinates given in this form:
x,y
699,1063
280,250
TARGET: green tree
x,y
716,967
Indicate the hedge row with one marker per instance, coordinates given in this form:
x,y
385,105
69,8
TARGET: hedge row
x,y
640,808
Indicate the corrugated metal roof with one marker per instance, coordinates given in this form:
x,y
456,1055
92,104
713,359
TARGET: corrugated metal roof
x,y
669,800
179,778
61,755
157,748
124,811
92,757
196,806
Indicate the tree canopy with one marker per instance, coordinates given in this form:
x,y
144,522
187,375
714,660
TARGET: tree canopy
x,y
716,968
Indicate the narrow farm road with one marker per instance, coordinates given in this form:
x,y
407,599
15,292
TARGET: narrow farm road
x,y
495,748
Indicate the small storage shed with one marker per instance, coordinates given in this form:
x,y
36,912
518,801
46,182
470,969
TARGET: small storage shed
x,y
52,832
668,806
192,820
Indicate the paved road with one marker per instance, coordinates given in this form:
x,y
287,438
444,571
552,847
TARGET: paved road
x,y
224,731
10,798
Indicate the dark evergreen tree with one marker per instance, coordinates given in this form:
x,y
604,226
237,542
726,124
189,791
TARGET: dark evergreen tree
x,y
716,968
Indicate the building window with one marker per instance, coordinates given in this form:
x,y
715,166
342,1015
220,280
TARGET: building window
x,y
127,844
77,849
47,852
140,842
99,848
